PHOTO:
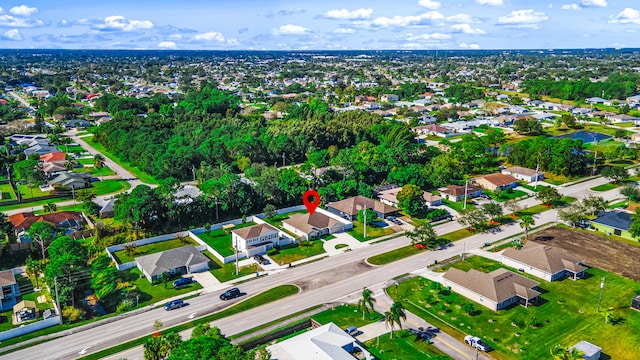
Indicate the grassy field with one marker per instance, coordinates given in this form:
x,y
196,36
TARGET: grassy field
x,y
403,346
566,314
294,252
277,220
605,187
346,315
372,231
106,171
110,186
265,297
532,186
7,192
394,255
227,272
155,293
72,149
123,257
144,177
220,240
457,206
603,146
537,209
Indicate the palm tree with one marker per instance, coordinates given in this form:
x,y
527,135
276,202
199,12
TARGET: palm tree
x,y
526,223
98,163
608,314
389,321
152,349
560,352
49,207
395,316
366,302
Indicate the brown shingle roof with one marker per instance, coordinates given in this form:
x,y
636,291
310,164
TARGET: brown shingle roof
x,y
353,205
546,258
498,285
307,223
458,190
254,231
499,179
7,278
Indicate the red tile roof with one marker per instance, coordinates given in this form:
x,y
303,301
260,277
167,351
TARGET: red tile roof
x,y
55,156
26,219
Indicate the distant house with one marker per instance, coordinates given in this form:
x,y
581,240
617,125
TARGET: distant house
x,y
456,192
53,168
619,118
63,220
388,196
186,194
325,342
496,290
635,99
256,239
588,350
497,181
40,150
433,129
595,100
9,290
53,157
349,208
545,262
106,208
522,173
71,180
315,225
635,303
389,98
613,222
76,123
182,260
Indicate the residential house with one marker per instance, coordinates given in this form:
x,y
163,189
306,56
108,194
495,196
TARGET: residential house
x,y
502,97
614,222
635,136
53,157
53,168
633,100
389,98
313,226
496,290
580,111
349,208
323,343
9,290
619,118
106,208
40,150
595,100
71,180
256,239
62,220
182,260
588,350
497,181
456,192
76,123
545,262
388,196
526,174
433,129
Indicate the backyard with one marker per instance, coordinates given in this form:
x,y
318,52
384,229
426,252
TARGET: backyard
x,y
566,314
7,192
125,256
153,293
220,240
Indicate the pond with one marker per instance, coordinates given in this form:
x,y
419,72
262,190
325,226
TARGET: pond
x,y
585,136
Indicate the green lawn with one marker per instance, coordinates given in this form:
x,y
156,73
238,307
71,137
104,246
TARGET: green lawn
x,y
277,220
106,171
618,204
605,187
457,235
346,315
155,293
227,272
110,186
372,231
567,314
531,187
537,209
76,207
123,257
394,255
458,206
72,149
28,205
403,346
220,240
85,161
27,192
604,146
7,192
144,177
294,252
505,195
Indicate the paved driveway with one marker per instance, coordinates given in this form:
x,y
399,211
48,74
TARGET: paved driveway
x,y
341,238
208,281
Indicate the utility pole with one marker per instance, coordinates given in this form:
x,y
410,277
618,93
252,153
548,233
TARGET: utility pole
x,y
365,223
595,161
193,171
282,159
601,291
235,247
466,185
537,168
55,286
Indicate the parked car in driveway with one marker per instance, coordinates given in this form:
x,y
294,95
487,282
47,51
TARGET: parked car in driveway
x,y
182,282
230,294
261,259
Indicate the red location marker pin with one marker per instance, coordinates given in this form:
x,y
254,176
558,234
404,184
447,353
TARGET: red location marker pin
x,y
311,205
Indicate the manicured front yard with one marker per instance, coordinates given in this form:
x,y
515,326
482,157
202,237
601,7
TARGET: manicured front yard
x,y
155,293
394,255
605,187
373,231
124,257
104,187
531,186
403,346
34,191
566,314
227,272
294,252
347,315
458,206
505,195
220,240
106,171
7,192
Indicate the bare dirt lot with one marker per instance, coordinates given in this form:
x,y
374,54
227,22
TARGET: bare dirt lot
x,y
598,251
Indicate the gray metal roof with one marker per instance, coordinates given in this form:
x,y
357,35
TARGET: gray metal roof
x,y
615,219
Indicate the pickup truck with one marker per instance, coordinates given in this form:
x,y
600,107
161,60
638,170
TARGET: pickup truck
x,y
475,342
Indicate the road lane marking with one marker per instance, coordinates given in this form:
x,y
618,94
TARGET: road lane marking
x,y
453,347
84,351
192,315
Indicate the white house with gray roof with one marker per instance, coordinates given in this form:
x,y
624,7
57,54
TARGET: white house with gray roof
x,y
183,260
545,262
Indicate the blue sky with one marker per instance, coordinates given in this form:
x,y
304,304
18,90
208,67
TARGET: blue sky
x,y
319,25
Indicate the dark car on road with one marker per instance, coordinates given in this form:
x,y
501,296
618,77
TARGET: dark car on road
x,y
174,304
182,282
230,294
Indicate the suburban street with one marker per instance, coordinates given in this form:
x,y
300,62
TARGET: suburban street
x,y
317,281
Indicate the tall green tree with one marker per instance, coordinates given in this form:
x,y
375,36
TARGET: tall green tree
x,y
526,222
366,302
395,316
410,199
42,233
99,163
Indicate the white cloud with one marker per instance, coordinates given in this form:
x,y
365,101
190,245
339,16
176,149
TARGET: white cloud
x,y
627,16
120,23
425,37
594,3
344,14
209,36
490,2
429,4
462,18
167,45
404,21
472,46
13,34
467,29
343,31
523,19
570,7
290,29
23,10
10,21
